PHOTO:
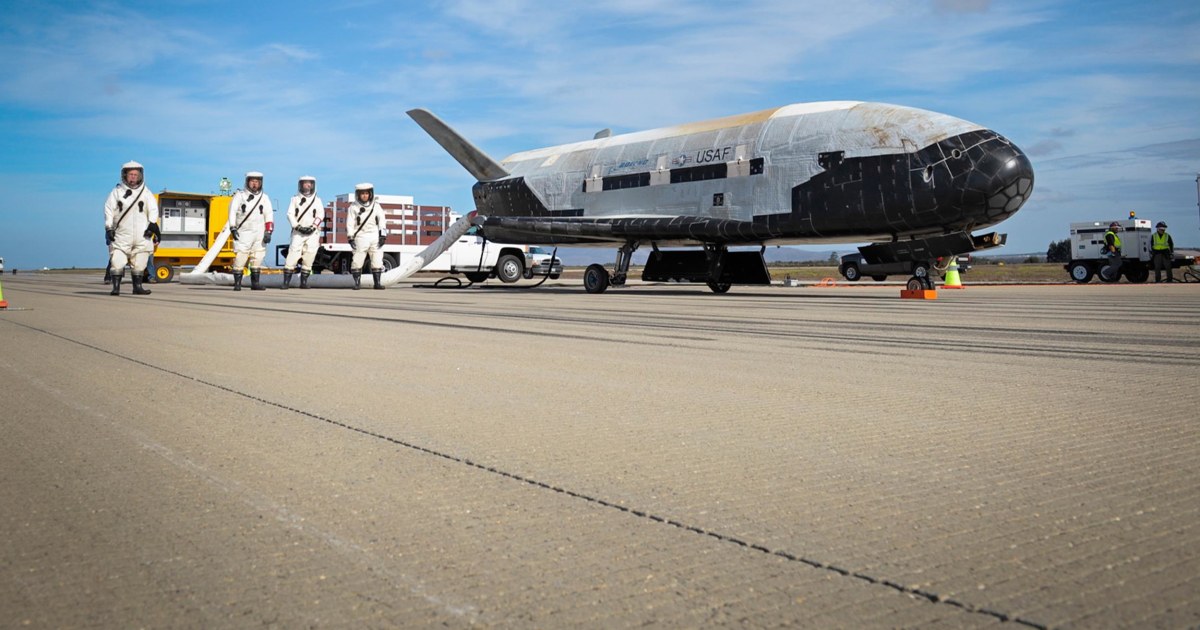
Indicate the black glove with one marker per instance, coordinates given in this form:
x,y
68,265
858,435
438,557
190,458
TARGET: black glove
x,y
233,233
153,232
109,235
266,238
382,238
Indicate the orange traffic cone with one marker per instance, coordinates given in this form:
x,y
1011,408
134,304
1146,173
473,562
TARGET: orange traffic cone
x,y
952,279
3,303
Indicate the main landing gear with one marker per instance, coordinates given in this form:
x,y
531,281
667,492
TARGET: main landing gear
x,y
709,267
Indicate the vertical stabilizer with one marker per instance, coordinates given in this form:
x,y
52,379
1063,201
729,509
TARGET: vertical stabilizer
x,y
478,163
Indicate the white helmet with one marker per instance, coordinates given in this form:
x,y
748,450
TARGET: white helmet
x,y
306,178
365,186
254,175
131,166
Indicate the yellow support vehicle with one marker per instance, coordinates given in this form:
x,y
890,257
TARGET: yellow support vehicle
x,y
190,222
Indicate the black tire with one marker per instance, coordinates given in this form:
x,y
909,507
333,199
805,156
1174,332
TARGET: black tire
x,y
509,269
921,270
851,272
390,262
1081,272
1104,277
477,276
163,273
879,278
1137,275
555,276
595,279
718,287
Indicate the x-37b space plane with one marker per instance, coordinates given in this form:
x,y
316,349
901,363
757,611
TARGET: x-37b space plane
x,y
915,183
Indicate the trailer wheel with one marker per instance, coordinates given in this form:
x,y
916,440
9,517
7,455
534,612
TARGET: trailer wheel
x,y
595,279
164,273
509,268
1104,277
1081,272
1137,275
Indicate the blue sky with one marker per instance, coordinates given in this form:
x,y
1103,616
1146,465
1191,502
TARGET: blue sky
x,y
1103,96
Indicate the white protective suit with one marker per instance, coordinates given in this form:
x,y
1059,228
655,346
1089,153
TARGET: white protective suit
x,y
249,214
129,211
367,221
304,211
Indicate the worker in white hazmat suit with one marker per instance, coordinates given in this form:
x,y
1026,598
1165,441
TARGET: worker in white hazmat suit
x,y
366,231
251,221
130,227
306,214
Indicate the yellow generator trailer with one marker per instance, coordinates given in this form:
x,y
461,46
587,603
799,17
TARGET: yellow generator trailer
x,y
190,223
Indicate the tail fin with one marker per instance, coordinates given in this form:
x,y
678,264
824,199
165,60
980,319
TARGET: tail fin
x,y
478,163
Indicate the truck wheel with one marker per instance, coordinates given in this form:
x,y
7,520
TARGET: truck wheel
x,y
476,276
879,278
852,273
389,262
1081,272
555,276
164,273
509,268
595,279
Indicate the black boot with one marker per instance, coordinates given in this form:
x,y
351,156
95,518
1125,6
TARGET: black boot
x,y
304,279
287,279
237,279
116,283
378,284
357,275
256,280
137,285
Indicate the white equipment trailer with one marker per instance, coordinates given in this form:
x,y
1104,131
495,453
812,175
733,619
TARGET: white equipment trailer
x,y
1087,246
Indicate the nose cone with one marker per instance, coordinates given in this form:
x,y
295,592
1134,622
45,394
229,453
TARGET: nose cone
x,y
1004,176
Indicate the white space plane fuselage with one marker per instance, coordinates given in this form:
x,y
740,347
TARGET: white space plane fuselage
x,y
841,171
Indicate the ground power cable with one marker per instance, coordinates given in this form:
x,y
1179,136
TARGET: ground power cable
x,y
918,593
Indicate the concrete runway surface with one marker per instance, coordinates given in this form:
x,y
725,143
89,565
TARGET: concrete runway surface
x,y
822,457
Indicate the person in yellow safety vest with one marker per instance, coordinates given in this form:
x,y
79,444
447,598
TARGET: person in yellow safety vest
x,y
1162,248
1112,249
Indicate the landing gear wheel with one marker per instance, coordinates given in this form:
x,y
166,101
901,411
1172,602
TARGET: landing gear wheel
x,y
1081,272
921,270
918,283
718,287
163,273
595,279
852,273
509,269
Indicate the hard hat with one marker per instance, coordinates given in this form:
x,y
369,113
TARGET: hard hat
x,y
1161,224
306,178
1114,224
